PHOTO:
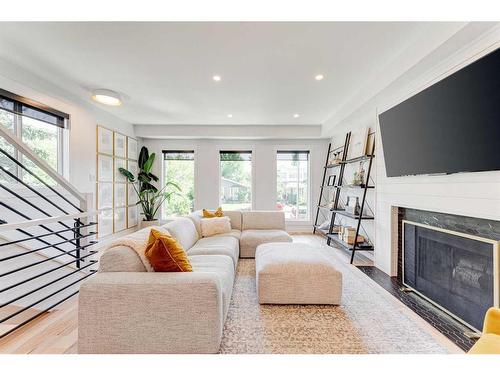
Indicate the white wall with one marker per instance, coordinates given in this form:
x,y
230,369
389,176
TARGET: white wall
x,y
264,168
469,194
84,118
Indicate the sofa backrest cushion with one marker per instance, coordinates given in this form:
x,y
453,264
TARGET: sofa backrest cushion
x,y
184,231
234,216
120,259
263,220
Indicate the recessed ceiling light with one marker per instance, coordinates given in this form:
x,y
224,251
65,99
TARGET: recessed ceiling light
x,y
296,115
216,78
107,97
229,115
319,77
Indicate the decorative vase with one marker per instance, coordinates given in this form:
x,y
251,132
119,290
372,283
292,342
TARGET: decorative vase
x,y
148,223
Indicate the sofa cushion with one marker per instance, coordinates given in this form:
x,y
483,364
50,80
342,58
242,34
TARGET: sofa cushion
x,y
217,245
236,233
165,254
234,216
263,220
184,231
120,259
216,225
221,265
250,239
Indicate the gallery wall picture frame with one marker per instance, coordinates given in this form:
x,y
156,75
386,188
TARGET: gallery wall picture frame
x,y
358,141
115,199
132,148
104,140
120,142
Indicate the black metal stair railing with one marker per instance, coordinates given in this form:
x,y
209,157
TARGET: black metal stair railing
x,y
46,238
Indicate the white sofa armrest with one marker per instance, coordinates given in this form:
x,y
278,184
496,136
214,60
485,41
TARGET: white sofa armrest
x,y
148,312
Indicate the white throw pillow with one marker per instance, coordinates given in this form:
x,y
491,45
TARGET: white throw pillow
x,y
215,225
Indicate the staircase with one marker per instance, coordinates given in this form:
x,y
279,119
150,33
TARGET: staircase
x,y
46,236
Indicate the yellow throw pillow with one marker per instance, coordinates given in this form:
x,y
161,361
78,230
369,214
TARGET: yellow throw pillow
x,y
165,254
217,213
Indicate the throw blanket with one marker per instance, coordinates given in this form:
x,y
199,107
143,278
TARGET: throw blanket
x,y
138,242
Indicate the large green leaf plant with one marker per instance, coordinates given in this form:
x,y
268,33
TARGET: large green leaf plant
x,y
150,198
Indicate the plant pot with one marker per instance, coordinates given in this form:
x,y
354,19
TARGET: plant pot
x,y
148,223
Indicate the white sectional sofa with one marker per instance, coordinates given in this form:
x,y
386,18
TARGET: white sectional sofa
x,y
125,309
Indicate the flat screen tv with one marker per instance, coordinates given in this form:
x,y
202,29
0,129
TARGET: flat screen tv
x,y
451,126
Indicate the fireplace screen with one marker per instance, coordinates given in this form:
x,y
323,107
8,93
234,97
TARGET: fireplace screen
x,y
453,270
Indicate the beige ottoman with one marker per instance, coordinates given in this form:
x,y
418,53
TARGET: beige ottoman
x,y
295,273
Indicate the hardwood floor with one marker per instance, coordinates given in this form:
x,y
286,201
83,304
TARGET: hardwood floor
x,y
56,332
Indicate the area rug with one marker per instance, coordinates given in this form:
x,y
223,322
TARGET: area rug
x,y
369,320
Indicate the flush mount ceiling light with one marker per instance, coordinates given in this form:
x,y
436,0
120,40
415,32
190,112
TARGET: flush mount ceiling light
x,y
229,115
319,77
216,78
107,97
296,115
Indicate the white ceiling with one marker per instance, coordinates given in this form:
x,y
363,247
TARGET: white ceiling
x,y
164,70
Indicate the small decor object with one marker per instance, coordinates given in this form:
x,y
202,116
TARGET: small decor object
x,y
331,180
120,145
359,176
217,213
165,254
357,144
148,196
215,225
352,205
104,141
336,159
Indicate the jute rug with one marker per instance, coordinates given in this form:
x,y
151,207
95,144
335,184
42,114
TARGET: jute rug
x,y
369,320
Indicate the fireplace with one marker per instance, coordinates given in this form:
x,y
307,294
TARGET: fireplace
x,y
456,271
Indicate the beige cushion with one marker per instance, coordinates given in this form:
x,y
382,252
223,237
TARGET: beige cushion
x,y
236,233
184,231
120,259
215,225
250,239
263,220
296,273
234,216
222,266
217,245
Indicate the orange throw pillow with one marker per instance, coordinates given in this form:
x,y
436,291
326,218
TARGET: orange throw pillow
x,y
217,213
165,254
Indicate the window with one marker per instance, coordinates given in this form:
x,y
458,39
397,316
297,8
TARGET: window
x,y
292,186
236,180
40,127
178,167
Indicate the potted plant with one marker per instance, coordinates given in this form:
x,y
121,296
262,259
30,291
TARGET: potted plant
x,y
149,197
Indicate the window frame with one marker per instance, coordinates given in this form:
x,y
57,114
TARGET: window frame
x,y
240,148
192,150
291,148
63,125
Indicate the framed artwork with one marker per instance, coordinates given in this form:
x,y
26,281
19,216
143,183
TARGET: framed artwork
x,y
331,180
120,197
132,217
105,223
119,163
120,145
104,140
370,144
131,148
357,144
104,168
133,167
120,219
104,195
131,195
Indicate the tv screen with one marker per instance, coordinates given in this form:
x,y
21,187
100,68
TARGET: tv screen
x,y
451,126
